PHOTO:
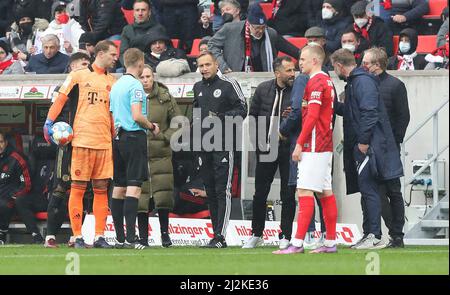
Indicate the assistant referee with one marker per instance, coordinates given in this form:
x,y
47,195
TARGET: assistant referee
x,y
129,108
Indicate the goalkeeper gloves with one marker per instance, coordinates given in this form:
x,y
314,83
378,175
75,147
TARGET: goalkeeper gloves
x,y
48,131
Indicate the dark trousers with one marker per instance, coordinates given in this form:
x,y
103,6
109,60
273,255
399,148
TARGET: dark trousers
x,y
180,22
392,208
7,209
264,175
27,206
216,170
57,210
370,197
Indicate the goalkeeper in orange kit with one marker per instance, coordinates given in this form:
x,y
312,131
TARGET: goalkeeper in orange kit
x,y
92,143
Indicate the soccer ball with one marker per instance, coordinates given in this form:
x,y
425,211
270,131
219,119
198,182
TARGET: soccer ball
x,y
62,133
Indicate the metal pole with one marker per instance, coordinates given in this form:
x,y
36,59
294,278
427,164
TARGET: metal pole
x,y
434,168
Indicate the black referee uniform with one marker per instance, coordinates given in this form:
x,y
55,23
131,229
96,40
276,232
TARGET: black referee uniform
x,y
217,97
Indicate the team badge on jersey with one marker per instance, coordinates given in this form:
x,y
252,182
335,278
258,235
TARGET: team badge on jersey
x,y
217,93
138,94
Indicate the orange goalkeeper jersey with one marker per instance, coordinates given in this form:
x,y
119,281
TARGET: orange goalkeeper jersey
x,y
92,122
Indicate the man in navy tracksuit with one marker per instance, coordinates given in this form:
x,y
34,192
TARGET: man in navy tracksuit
x,y
216,97
370,152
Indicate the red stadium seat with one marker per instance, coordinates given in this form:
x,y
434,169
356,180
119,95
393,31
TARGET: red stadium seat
x,y
436,7
298,42
267,9
395,40
195,51
426,44
129,16
175,43
41,215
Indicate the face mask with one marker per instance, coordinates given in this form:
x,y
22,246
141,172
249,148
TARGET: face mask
x,y
63,18
26,28
361,22
404,47
227,18
327,13
349,46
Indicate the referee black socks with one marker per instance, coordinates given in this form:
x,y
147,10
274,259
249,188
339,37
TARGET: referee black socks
x,y
117,215
130,211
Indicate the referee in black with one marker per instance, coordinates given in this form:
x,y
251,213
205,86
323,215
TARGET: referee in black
x,y
128,105
216,97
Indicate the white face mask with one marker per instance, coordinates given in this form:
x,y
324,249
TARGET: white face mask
x,y
349,46
404,46
361,22
327,13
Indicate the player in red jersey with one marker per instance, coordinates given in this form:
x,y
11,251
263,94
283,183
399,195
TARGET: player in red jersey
x,y
314,152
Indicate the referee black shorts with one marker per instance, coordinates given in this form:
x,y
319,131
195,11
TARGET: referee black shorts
x,y
130,158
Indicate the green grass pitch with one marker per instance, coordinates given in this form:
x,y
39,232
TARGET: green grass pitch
x,y
27,259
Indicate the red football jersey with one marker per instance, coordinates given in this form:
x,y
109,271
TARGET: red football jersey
x,y
317,115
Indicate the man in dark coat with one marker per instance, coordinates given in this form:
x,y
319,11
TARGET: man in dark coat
x,y
334,23
405,13
373,30
51,61
370,151
395,98
271,99
407,58
249,46
290,17
145,24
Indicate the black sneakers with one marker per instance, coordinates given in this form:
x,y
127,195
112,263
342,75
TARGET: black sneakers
x,y
37,238
102,243
216,242
165,240
2,237
79,243
396,242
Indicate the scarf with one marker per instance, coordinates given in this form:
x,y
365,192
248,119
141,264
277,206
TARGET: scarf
x,y
275,116
387,4
364,31
6,63
406,62
275,7
248,50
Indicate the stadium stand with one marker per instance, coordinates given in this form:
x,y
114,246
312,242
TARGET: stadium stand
x,y
436,7
128,16
195,50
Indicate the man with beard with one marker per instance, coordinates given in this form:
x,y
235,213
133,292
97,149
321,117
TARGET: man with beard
x,y
271,99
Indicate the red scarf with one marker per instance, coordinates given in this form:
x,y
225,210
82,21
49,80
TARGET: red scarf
x,y
387,4
364,31
248,49
275,7
5,64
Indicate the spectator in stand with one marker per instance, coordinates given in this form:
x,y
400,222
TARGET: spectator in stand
x,y
230,11
6,16
87,44
15,182
401,14
218,19
180,19
67,29
23,33
41,8
439,58
373,30
443,30
407,58
289,17
260,43
8,64
334,23
145,25
51,61
159,48
352,41
203,45
316,35
204,26
103,19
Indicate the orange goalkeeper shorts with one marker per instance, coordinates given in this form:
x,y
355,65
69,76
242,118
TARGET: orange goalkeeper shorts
x,y
90,164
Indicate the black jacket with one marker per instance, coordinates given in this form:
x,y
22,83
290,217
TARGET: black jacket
x,y
166,55
15,179
262,105
6,16
333,32
413,10
366,122
103,18
291,18
419,61
41,65
217,97
379,35
395,98
40,8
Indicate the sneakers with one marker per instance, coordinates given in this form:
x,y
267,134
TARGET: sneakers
x,y
216,242
310,242
102,243
50,243
324,249
396,242
358,242
37,238
284,243
71,242
79,243
290,250
3,237
253,242
371,243
126,245
165,240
